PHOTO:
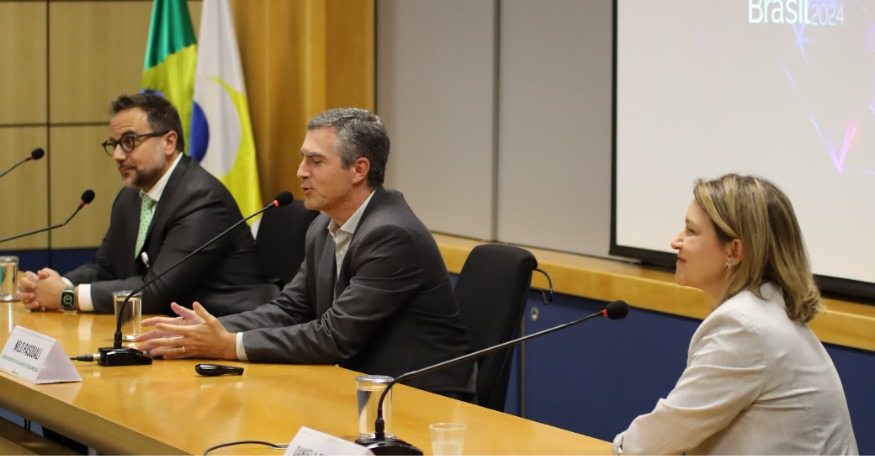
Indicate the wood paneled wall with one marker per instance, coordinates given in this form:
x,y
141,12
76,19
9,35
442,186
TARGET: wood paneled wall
x,y
66,60
301,57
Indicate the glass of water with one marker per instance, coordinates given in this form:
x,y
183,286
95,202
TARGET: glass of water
x,y
447,438
8,278
369,388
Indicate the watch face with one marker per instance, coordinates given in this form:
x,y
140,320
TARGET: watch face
x,y
67,299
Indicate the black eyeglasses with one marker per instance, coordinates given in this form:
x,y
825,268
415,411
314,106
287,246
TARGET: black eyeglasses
x,y
129,141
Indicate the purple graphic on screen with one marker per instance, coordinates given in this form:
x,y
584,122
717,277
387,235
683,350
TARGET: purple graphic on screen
x,y
810,61
799,31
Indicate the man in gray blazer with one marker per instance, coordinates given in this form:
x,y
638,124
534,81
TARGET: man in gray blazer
x,y
373,293
186,207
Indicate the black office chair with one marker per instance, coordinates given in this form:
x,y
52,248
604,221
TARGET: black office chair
x,y
491,290
280,240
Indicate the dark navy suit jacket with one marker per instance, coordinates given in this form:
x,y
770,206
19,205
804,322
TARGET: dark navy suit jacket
x,y
226,276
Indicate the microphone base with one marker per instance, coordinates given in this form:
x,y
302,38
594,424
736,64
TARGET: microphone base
x,y
389,446
125,356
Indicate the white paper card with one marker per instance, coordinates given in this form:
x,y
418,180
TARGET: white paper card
x,y
36,358
311,442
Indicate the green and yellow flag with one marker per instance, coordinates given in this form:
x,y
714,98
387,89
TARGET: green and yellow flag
x,y
171,56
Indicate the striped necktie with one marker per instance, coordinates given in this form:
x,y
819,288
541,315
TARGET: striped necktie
x,y
145,218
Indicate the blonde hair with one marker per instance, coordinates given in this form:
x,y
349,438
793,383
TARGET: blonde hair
x,y
754,211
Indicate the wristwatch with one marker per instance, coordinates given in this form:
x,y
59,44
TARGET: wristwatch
x,y
67,296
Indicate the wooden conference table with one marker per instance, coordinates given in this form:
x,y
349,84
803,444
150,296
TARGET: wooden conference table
x,y
166,408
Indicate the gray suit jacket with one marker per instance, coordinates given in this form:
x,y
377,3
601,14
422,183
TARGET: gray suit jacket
x,y
226,276
756,382
391,310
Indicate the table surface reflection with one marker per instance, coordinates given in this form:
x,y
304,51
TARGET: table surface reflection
x,y
166,408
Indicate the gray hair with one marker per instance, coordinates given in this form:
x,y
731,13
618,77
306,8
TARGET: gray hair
x,y
360,133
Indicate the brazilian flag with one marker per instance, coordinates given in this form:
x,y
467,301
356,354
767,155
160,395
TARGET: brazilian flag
x,y
171,56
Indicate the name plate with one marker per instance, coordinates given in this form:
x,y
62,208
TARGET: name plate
x,y
311,442
36,358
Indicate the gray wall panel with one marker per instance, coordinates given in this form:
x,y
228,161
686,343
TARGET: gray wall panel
x,y
547,181
555,125
435,94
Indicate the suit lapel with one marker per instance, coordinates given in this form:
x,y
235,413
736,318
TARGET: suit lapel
x,y
130,206
380,194
326,276
168,199
330,283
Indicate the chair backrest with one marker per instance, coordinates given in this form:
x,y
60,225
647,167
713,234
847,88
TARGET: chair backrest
x,y
491,290
280,240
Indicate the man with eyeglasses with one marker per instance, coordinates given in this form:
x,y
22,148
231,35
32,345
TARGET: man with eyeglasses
x,y
169,207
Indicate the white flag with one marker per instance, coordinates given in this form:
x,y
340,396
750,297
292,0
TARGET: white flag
x,y
221,131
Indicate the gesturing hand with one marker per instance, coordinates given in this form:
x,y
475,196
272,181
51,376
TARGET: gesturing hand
x,y
193,334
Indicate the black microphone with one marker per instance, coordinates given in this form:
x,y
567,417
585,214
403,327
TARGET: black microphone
x,y
381,445
128,356
35,155
87,197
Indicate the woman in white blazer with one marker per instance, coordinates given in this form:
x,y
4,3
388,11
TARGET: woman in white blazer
x,y
757,380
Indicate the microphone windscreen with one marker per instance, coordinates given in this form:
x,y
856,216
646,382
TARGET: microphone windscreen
x,y
284,198
617,310
87,196
37,153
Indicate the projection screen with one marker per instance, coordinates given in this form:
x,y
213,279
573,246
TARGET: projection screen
x,y
781,89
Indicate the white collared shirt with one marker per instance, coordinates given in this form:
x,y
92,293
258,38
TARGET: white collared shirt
x,y
158,189
343,235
